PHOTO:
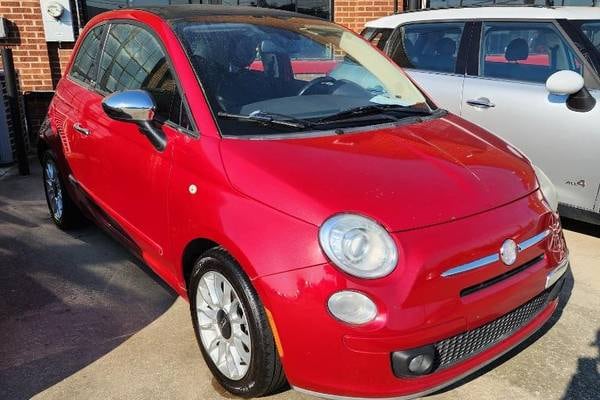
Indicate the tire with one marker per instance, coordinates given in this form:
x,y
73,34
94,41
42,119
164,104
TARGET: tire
x,y
63,211
263,373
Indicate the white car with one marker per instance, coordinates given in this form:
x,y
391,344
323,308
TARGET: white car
x,y
528,74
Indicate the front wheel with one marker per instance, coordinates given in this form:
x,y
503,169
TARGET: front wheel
x,y
232,329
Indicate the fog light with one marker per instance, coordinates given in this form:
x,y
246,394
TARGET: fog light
x,y
420,364
413,362
352,307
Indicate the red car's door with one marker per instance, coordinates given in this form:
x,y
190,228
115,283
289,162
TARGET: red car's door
x,y
133,177
75,107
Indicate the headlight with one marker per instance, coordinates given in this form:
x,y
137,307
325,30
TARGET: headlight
x,y
547,188
358,245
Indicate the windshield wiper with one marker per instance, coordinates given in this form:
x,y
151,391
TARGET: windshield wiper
x,y
373,109
268,119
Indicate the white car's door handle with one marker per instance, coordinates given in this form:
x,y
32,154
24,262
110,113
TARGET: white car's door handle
x,y
482,102
84,131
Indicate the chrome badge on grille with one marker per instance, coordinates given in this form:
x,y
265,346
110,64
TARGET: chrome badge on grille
x,y
508,252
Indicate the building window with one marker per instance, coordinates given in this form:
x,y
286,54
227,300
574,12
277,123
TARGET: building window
x,y
317,8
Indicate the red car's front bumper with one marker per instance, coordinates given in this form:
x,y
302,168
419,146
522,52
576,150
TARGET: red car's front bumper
x,y
419,307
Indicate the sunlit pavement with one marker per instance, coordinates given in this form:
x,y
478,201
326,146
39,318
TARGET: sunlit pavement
x,y
81,319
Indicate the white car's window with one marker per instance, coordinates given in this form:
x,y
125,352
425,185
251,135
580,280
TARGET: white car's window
x,y
429,47
591,29
377,36
530,51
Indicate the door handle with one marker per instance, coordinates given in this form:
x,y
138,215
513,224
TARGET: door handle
x,y
482,102
79,128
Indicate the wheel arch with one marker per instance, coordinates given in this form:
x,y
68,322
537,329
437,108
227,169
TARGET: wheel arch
x,y
41,147
191,252
200,245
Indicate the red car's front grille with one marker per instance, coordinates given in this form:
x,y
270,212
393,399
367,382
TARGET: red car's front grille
x,y
457,348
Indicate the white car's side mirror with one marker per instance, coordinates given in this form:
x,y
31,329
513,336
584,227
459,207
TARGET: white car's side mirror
x,y
564,83
571,84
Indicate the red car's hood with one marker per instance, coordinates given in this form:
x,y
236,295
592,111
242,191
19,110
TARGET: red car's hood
x,y
404,177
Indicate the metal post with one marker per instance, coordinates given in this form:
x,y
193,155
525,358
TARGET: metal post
x,y
13,100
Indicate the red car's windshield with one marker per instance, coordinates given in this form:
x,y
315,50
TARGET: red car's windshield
x,y
291,70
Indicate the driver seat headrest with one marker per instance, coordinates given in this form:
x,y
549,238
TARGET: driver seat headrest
x,y
243,53
517,50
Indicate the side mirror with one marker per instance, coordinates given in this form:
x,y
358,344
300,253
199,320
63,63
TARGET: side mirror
x,y
136,106
571,84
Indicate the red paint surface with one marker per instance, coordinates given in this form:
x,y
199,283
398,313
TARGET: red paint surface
x,y
449,191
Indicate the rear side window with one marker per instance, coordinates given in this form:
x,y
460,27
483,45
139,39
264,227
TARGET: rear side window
x,y
429,46
377,36
84,66
530,51
133,59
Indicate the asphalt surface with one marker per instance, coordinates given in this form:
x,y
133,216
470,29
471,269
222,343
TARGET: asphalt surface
x,y
82,319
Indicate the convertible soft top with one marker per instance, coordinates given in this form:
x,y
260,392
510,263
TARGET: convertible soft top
x,y
191,11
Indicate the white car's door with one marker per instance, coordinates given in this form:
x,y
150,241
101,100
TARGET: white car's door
x,y
509,98
430,54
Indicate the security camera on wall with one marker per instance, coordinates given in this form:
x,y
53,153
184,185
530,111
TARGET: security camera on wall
x,y
58,20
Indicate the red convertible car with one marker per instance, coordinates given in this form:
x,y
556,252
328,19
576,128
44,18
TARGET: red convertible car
x,y
331,227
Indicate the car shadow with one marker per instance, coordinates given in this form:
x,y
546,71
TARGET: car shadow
x,y
585,384
67,299
563,300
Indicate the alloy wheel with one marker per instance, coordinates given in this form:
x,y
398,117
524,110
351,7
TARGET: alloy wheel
x,y
223,325
53,189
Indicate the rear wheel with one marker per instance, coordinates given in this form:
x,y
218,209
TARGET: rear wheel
x,y
232,329
63,210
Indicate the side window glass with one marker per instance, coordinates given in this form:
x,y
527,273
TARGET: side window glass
x,y
429,47
530,51
133,59
84,66
377,37
178,113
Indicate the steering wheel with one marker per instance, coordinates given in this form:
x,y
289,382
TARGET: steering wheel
x,y
322,80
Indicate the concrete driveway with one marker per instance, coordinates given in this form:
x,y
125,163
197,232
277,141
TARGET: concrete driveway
x,y
81,319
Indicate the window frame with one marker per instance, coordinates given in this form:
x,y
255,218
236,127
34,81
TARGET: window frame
x,y
92,84
193,132
572,29
462,53
476,52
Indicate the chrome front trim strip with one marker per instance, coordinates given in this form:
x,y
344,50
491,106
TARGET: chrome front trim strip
x,y
492,258
482,262
534,240
554,275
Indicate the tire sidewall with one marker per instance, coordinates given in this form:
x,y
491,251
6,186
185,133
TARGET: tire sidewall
x,y
250,385
47,157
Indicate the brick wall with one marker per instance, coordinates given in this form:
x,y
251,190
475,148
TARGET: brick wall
x,y
26,38
39,64
355,13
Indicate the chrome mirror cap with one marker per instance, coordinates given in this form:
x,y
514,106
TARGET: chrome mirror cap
x,y
130,105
